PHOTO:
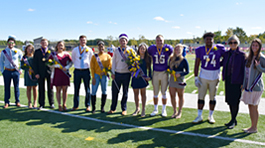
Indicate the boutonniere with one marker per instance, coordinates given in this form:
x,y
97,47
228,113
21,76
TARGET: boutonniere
x,y
86,50
15,51
166,49
215,48
48,51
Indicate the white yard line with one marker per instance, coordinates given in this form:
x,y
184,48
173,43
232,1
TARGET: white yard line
x,y
150,128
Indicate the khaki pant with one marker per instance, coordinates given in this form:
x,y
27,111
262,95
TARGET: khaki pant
x,y
160,78
212,85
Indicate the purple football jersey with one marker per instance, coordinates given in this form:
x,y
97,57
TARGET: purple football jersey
x,y
210,61
160,60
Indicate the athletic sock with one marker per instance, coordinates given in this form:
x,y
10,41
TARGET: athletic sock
x,y
211,113
155,107
164,107
200,112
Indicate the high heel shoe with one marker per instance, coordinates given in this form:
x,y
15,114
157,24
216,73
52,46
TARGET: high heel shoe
x,y
232,126
136,112
29,105
64,108
143,113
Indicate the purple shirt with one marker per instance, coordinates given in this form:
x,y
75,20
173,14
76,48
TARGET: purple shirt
x,y
212,60
160,60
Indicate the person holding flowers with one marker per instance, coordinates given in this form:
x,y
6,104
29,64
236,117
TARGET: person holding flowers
x,y
9,61
209,57
120,74
81,56
140,83
60,76
42,71
29,76
100,64
179,67
160,53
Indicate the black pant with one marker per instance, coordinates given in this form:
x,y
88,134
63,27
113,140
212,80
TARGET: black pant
x,y
124,79
78,76
41,82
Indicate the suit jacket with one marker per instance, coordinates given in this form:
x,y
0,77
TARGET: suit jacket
x,y
39,66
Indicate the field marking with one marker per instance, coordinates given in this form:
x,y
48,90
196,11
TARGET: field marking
x,y
150,128
193,92
189,77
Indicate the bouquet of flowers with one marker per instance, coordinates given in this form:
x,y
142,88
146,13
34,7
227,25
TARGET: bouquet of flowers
x,y
134,62
53,63
170,71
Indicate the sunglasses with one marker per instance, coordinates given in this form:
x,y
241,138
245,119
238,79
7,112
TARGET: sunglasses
x,y
232,43
11,43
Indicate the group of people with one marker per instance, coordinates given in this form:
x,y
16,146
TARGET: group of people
x,y
241,73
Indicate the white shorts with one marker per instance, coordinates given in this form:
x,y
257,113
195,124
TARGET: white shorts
x,y
160,78
212,85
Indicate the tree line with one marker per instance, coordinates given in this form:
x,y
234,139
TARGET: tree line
x,y
219,38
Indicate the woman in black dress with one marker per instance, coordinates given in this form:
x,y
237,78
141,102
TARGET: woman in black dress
x,y
233,74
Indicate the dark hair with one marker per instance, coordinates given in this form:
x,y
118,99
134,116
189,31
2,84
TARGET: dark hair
x,y
251,53
147,57
26,49
82,36
56,49
11,39
159,36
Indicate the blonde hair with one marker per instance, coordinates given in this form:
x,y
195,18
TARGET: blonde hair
x,y
173,62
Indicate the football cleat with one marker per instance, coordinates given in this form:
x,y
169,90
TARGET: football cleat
x,y
211,119
198,119
155,112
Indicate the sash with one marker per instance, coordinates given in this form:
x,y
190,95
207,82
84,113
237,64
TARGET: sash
x,y
52,70
100,64
9,58
27,63
254,83
122,54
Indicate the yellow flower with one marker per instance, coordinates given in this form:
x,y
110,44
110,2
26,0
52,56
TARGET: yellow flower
x,y
55,62
166,49
131,50
15,51
50,60
215,48
168,70
128,51
109,68
49,51
86,50
104,70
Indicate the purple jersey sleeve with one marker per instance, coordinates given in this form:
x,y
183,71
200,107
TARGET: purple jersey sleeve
x,y
160,60
212,60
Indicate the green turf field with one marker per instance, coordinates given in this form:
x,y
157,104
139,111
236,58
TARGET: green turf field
x,y
22,127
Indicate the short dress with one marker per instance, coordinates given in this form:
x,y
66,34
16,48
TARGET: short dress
x,y
251,98
182,69
28,81
60,78
138,83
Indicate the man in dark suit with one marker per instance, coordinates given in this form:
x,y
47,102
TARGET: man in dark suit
x,y
43,72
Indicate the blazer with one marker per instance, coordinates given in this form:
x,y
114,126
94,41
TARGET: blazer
x,y
238,66
39,66
254,73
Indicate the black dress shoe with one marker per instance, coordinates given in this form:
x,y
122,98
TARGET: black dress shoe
x,y
231,126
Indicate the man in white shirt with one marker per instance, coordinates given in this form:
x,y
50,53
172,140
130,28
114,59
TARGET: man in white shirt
x,y
120,75
81,56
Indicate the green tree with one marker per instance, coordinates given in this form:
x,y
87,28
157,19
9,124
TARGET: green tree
x,y
241,34
228,33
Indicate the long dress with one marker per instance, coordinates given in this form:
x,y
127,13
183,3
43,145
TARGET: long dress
x,y
27,80
60,78
138,83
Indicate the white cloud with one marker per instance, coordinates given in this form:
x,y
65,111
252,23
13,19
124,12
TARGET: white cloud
x,y
159,18
198,27
90,31
181,14
176,27
31,9
113,23
256,27
189,32
89,22
239,3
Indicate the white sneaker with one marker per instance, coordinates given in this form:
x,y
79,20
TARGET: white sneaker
x,y
155,112
198,119
211,119
164,113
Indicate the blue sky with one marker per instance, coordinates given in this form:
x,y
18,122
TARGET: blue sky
x,y
175,19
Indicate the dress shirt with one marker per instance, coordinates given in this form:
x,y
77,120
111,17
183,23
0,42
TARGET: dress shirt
x,y
84,62
16,57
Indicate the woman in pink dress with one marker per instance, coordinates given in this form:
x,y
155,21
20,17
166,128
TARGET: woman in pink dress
x,y
60,76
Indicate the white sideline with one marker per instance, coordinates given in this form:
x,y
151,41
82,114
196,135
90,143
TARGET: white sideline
x,y
150,128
